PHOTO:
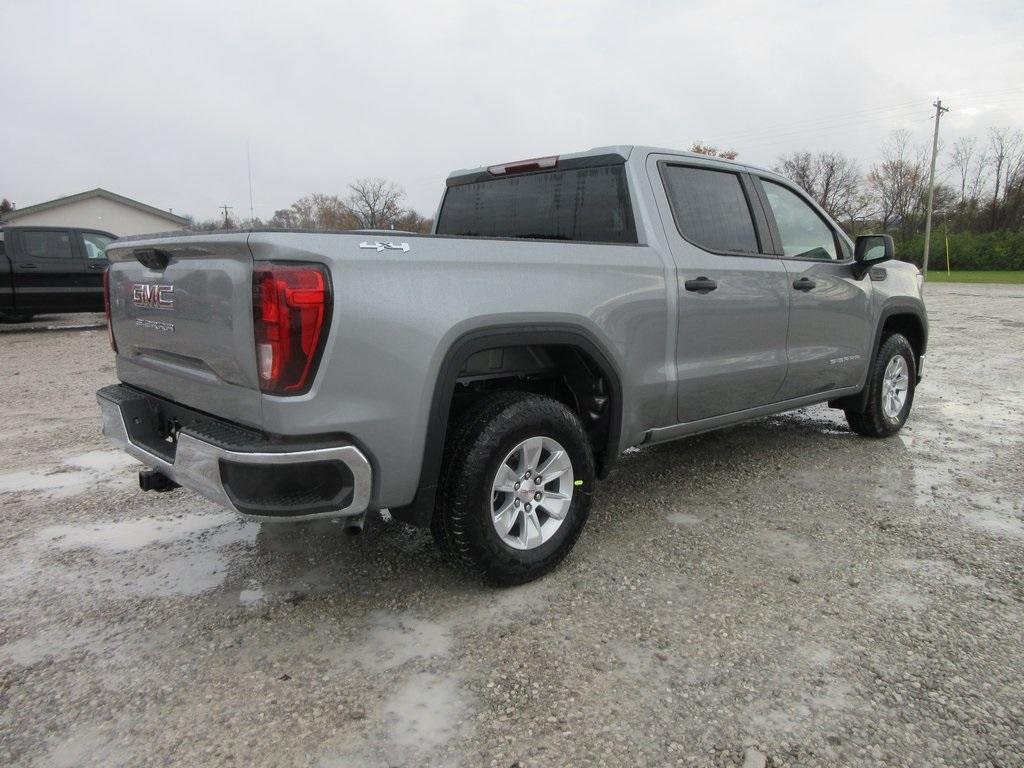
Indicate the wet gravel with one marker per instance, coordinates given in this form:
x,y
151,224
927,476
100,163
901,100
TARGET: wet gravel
x,y
781,593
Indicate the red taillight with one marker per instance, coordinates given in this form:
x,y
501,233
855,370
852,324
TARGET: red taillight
x,y
106,308
522,166
291,309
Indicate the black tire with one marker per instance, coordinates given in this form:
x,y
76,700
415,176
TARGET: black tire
x,y
873,421
15,317
484,436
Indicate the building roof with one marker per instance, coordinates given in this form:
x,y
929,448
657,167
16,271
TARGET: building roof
x,y
98,192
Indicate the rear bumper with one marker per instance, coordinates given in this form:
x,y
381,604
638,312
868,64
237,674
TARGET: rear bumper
x,y
256,476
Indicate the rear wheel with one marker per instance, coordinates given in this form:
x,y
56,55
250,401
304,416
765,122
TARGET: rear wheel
x,y
890,390
516,487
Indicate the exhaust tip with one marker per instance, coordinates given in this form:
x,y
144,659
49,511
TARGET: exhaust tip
x,y
353,526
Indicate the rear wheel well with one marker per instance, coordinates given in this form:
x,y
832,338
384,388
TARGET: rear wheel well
x,y
564,372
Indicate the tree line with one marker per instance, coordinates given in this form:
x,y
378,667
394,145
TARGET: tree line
x,y
371,203
978,204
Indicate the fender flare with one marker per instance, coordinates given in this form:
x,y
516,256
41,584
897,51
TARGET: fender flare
x,y
420,510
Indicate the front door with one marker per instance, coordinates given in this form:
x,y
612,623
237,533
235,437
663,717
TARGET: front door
x,y
733,297
830,328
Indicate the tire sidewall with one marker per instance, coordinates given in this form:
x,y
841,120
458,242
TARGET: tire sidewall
x,y
894,346
485,438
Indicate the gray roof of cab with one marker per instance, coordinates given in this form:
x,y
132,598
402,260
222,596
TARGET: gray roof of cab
x,y
622,150
17,213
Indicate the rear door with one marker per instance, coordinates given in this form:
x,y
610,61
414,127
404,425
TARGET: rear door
x,y
733,300
93,249
830,327
48,273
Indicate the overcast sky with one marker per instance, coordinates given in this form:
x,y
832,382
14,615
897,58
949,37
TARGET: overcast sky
x,y
158,100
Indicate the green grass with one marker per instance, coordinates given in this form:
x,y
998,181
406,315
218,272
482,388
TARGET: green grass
x,y
940,276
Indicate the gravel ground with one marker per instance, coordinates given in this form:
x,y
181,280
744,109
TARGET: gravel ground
x,y
782,590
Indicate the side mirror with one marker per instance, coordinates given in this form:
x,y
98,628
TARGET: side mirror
x,y
870,250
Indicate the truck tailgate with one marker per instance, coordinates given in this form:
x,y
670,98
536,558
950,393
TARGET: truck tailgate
x,y
182,317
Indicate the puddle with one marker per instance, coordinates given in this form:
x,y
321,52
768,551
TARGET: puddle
x,y
74,475
681,518
783,546
394,639
417,720
51,643
140,557
900,596
127,535
425,712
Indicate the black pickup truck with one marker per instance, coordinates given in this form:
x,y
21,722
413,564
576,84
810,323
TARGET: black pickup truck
x,y
51,269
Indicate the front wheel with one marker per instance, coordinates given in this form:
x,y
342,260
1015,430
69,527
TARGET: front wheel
x,y
891,383
516,487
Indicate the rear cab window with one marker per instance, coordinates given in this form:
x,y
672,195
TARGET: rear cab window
x,y
586,204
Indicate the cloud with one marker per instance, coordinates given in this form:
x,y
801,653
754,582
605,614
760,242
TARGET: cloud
x,y
158,101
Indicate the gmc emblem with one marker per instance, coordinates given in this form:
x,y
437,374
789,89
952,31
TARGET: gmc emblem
x,y
153,296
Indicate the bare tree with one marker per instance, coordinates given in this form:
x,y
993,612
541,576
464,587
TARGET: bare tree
x,y
6,206
898,182
375,202
700,148
964,160
1007,147
831,178
316,211
410,221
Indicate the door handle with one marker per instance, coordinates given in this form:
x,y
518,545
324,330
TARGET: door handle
x,y
804,284
27,266
97,266
700,285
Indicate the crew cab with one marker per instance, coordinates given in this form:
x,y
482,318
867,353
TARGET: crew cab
x,y
479,380
51,269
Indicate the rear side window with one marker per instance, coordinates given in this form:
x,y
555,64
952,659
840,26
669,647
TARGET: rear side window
x,y
41,244
710,208
587,204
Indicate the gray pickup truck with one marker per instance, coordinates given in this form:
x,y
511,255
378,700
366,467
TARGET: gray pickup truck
x,y
480,379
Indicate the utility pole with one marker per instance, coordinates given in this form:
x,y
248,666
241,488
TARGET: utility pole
x,y
939,109
248,163
226,208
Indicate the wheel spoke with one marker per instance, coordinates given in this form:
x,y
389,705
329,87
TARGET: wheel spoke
x,y
505,518
555,504
531,453
557,465
506,479
530,536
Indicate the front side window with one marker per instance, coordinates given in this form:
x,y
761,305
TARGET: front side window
x,y
95,245
43,244
804,234
587,204
710,208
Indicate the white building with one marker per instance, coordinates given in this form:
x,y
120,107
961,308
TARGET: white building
x,y
98,209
